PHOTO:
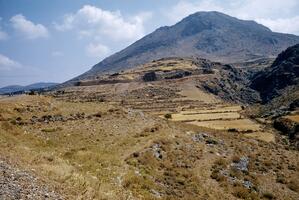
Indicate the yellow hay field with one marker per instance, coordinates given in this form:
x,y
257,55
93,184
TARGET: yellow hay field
x,y
190,92
205,116
217,110
239,124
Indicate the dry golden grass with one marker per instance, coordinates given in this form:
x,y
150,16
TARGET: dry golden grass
x,y
83,156
294,118
190,92
262,135
220,109
239,124
205,116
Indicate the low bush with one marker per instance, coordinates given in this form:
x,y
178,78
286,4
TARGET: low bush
x,y
294,185
244,193
168,116
268,195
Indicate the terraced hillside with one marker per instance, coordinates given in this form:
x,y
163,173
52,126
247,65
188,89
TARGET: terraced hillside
x,y
192,90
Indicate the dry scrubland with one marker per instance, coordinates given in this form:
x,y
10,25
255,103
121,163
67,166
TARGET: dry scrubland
x,y
127,138
98,150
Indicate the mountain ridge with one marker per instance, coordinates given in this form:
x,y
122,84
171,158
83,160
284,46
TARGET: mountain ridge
x,y
211,35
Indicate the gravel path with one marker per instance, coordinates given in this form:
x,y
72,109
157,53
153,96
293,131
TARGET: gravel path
x,y
18,184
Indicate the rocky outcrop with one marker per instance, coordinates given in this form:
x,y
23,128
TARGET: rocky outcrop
x,y
290,128
178,74
287,126
283,73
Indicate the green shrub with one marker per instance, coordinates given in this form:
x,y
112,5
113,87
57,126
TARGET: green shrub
x,y
168,116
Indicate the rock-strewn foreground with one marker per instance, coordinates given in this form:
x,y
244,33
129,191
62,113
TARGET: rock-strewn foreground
x,y
19,184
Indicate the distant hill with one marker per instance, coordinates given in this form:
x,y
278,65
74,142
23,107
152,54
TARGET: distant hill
x,y
19,88
210,35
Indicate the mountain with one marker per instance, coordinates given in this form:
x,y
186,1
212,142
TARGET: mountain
x,y
19,88
210,35
282,77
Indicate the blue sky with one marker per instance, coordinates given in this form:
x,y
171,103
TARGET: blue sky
x,y
59,39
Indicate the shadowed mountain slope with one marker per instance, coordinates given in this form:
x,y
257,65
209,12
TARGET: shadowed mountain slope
x,y
281,78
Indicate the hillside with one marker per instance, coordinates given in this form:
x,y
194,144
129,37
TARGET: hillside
x,y
173,128
224,81
154,132
210,35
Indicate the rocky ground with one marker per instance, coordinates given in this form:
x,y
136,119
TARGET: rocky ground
x,y
20,184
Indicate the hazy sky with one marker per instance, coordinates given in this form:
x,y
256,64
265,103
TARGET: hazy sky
x,y
56,40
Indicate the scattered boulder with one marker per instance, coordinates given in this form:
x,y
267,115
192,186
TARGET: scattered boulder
x,y
58,118
48,118
241,164
34,119
157,151
199,137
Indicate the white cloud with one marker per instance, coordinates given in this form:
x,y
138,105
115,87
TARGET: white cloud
x,y
287,25
97,50
68,22
57,54
3,35
280,16
264,9
28,28
91,21
8,64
